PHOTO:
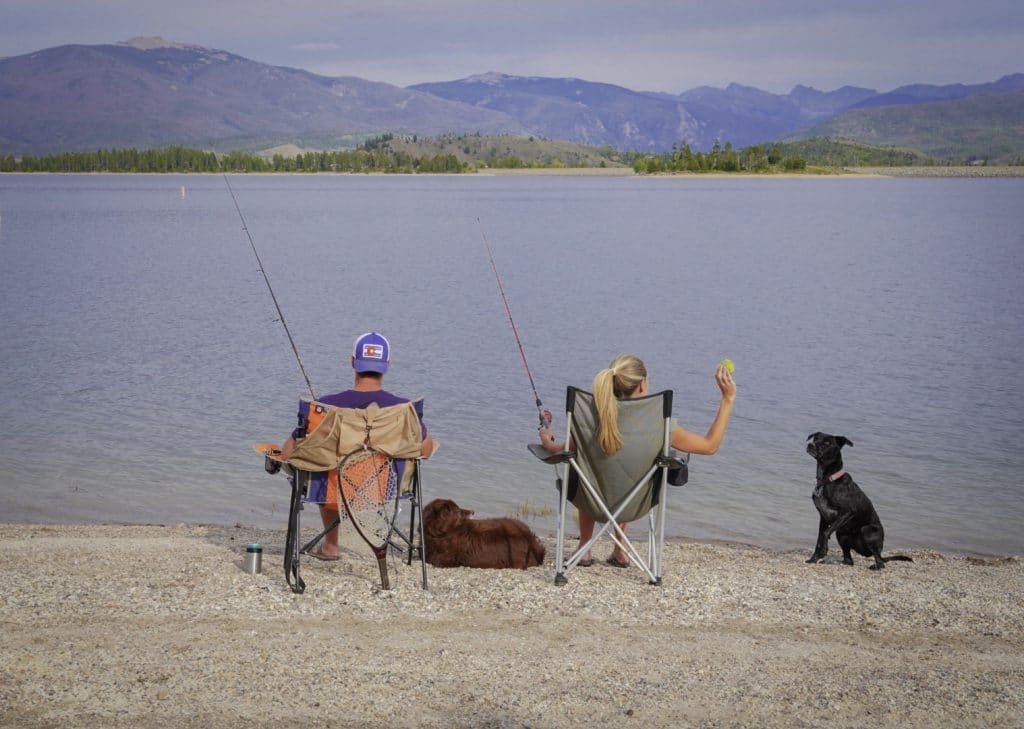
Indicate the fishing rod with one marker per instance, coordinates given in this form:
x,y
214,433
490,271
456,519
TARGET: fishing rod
x,y
280,314
544,415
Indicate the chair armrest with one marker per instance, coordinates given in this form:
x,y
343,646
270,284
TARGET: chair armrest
x,y
674,458
554,458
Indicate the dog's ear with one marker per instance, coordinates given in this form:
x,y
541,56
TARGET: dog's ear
x,y
440,509
449,517
814,435
842,440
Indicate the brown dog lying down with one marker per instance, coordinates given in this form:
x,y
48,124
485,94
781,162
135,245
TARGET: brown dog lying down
x,y
454,540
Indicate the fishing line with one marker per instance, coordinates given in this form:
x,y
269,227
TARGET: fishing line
x,y
280,314
545,416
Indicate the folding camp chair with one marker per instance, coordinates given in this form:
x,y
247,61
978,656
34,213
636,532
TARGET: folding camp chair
x,y
618,488
367,463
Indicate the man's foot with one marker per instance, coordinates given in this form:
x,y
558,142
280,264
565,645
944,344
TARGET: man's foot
x,y
324,556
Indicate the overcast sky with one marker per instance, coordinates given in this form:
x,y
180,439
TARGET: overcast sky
x,y
649,45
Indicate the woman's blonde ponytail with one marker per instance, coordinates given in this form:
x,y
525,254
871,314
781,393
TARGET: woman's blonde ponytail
x,y
607,412
620,379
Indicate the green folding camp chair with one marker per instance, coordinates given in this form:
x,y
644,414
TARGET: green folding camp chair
x,y
622,487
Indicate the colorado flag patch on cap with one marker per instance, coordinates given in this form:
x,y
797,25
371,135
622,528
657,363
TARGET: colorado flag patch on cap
x,y
371,353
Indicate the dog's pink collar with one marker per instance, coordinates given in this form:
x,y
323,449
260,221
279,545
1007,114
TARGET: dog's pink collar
x,y
837,475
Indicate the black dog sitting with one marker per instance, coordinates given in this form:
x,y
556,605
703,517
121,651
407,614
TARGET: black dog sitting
x,y
845,510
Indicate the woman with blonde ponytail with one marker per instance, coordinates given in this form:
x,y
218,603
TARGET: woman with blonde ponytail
x,y
626,378
620,380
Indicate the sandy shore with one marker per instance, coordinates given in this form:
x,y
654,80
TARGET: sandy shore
x,y
116,626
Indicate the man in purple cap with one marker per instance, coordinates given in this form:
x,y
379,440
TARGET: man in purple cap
x,y
370,359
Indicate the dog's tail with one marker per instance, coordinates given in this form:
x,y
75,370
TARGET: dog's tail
x,y
897,558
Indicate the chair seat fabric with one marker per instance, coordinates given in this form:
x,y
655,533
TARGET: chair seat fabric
x,y
394,431
641,426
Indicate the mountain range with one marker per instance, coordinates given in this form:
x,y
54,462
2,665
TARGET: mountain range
x,y
147,92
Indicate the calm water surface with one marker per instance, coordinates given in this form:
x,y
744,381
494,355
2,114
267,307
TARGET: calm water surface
x,y
142,357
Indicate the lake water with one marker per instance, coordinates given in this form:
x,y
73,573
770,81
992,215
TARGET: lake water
x,y
142,357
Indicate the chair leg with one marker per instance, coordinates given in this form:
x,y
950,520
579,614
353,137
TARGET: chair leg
x,y
653,552
414,511
291,545
658,530
418,508
410,540
560,578
412,544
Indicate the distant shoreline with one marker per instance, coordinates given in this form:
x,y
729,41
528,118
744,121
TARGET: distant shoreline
x,y
959,171
962,171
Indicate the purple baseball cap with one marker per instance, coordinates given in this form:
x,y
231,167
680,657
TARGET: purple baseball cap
x,y
372,353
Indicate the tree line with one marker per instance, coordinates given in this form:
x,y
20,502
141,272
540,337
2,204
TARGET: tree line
x,y
774,156
376,155
184,159
757,158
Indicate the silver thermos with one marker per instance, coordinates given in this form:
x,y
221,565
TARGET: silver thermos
x,y
253,562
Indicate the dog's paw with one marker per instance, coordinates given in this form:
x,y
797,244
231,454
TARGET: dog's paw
x,y
877,566
847,560
814,558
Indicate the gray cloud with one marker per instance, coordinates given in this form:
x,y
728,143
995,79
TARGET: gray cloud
x,y
645,44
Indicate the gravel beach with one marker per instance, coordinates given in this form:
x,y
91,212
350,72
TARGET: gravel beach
x,y
152,626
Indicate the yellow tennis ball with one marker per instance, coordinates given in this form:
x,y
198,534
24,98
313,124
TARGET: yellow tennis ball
x,y
727,363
